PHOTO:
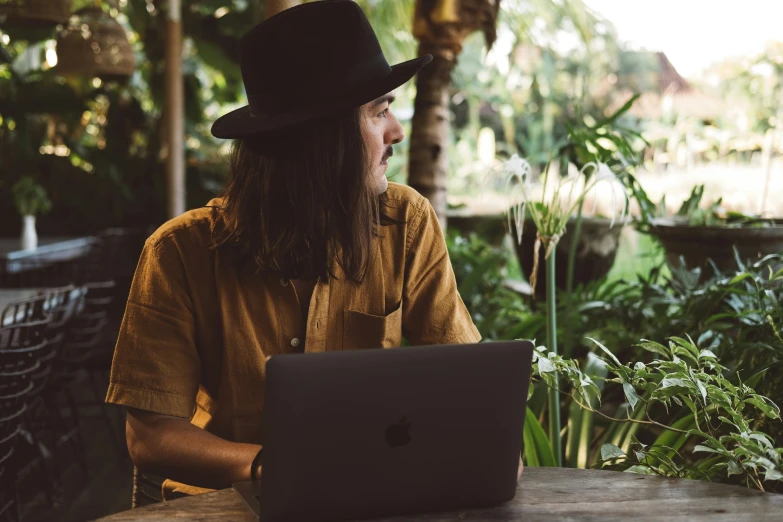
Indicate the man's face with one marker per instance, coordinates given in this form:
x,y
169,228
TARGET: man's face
x,y
380,130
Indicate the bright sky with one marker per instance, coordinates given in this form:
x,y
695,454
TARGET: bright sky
x,y
695,33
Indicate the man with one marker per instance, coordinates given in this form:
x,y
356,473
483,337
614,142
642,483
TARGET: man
x,y
308,249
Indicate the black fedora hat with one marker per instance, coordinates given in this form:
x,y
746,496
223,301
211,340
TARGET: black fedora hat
x,y
307,62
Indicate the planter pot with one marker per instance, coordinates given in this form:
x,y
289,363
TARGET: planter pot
x,y
698,244
595,254
29,238
490,227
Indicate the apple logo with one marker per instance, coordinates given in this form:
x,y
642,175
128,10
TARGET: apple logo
x,y
397,434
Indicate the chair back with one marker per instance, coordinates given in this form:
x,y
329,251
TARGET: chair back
x,y
23,311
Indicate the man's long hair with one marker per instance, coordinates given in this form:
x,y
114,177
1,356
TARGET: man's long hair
x,y
295,198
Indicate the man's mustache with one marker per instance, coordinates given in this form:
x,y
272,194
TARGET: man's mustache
x,y
389,153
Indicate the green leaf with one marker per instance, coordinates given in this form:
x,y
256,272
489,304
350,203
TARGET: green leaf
x,y
640,470
606,350
773,474
763,438
734,468
610,119
630,394
654,347
740,277
545,365
610,451
538,451
719,397
700,447
760,403
702,390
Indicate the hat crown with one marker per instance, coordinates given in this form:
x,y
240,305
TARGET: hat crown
x,y
282,67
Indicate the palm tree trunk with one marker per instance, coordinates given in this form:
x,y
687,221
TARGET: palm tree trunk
x,y
430,129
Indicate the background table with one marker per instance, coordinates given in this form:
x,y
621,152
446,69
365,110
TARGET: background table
x,y
543,494
50,249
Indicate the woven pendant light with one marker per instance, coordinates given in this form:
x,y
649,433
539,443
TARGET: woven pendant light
x,y
34,13
94,44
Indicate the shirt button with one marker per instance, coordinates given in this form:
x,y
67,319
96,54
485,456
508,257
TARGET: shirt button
x,y
284,282
295,342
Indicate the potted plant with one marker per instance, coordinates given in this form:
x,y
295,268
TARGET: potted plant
x,y
31,200
588,247
551,212
702,237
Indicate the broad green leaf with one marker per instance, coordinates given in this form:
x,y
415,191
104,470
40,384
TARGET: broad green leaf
x,y
641,470
700,447
758,402
654,347
538,451
734,468
773,474
545,365
630,394
680,382
688,345
761,437
610,451
719,397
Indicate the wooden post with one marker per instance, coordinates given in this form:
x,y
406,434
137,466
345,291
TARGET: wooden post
x,y
174,113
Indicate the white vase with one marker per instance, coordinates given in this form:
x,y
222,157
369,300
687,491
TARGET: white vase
x,y
29,235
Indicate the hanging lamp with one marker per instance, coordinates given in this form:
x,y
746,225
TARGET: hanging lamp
x,y
94,44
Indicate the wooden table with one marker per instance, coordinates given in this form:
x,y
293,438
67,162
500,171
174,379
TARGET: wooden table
x,y
543,494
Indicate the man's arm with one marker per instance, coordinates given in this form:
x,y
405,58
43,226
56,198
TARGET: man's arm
x,y
174,448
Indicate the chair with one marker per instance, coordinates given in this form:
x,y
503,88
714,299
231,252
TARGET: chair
x,y
85,353
24,311
146,489
22,349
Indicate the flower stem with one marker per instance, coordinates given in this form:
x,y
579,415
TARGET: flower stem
x,y
551,342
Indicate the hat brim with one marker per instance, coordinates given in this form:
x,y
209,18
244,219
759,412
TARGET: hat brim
x,y
240,123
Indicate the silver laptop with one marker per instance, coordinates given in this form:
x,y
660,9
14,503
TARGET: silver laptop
x,y
370,433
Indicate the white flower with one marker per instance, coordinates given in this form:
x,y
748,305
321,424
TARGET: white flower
x,y
605,176
559,204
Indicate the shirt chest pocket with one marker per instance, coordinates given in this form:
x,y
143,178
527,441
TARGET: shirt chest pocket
x,y
362,330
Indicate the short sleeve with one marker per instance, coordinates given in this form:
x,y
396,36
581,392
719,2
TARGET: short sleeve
x,y
156,366
433,310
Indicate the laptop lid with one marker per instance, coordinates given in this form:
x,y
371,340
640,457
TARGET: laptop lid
x,y
368,433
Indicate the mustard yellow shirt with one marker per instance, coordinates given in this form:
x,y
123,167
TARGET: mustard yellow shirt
x,y
197,331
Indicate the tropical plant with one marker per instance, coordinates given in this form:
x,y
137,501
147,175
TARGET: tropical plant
x,y
736,316
685,398
550,215
480,270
